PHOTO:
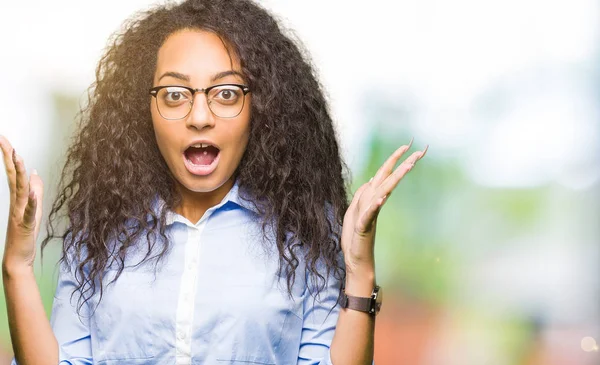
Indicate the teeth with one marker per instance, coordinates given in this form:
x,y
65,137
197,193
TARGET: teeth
x,y
200,145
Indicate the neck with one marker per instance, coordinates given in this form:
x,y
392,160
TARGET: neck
x,y
193,204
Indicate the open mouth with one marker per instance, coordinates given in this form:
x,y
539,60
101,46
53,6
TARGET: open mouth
x,y
201,159
201,155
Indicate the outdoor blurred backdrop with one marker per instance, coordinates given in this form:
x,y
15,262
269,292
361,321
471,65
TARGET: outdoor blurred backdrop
x,y
488,250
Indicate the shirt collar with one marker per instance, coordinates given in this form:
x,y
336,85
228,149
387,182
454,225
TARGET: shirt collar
x,y
234,196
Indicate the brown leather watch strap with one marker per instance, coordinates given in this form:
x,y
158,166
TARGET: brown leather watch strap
x,y
357,303
370,305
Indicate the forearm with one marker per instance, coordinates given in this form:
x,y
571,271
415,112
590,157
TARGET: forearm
x,y
32,338
353,341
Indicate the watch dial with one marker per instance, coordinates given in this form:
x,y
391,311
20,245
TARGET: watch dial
x,y
379,300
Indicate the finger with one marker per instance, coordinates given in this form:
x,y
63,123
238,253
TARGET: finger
x,y
356,197
370,215
358,194
423,153
392,181
388,166
383,192
37,185
9,166
21,183
29,216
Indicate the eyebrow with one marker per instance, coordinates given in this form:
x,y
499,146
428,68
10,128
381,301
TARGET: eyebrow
x,y
213,78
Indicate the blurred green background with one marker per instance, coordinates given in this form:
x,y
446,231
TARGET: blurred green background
x,y
488,250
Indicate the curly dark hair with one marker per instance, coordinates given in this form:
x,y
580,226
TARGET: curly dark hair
x,y
114,168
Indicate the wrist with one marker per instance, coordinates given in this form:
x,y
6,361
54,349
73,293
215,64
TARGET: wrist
x,y
360,267
360,284
12,270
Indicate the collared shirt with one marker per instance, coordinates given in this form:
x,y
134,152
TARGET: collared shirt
x,y
215,299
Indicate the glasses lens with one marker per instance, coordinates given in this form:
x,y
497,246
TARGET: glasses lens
x,y
226,101
174,102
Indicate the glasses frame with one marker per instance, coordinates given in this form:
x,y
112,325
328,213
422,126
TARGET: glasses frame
x,y
154,92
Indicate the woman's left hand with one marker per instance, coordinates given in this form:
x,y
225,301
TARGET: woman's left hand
x,y
360,220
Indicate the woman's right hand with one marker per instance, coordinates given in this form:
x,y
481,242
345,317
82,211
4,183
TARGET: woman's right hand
x,y
25,211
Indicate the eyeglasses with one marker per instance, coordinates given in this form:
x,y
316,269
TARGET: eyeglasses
x,y
224,101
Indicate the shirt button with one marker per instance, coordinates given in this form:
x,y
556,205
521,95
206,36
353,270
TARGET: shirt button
x,y
180,335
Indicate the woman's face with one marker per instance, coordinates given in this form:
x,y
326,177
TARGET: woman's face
x,y
198,59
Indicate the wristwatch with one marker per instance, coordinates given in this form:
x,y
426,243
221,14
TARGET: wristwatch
x,y
371,305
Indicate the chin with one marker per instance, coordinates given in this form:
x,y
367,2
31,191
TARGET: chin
x,y
202,184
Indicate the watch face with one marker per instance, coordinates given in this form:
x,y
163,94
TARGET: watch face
x,y
378,299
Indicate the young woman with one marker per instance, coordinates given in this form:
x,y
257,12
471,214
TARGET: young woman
x,y
208,221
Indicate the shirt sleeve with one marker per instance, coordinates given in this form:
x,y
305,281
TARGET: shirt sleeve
x,y
70,328
320,318
319,322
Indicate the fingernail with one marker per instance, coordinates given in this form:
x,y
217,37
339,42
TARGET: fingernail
x,y
34,172
410,143
371,179
424,152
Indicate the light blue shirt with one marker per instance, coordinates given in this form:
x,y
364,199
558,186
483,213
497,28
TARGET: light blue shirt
x,y
215,299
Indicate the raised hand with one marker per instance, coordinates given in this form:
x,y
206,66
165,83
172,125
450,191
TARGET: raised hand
x,y
25,211
360,220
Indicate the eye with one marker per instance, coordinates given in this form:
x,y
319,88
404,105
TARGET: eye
x,y
175,95
226,94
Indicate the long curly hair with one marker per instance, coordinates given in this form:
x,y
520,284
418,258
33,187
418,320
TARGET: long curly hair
x,y
114,168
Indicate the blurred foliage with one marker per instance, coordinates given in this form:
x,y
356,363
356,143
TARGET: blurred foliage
x,y
434,224
411,247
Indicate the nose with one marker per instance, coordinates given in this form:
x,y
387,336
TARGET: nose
x,y
200,116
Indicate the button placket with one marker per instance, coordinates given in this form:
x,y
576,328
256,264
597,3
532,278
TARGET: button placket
x,y
185,306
